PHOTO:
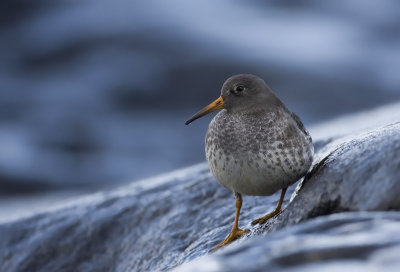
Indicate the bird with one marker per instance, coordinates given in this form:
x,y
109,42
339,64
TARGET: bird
x,y
255,145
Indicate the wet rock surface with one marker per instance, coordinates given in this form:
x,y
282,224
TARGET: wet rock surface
x,y
163,222
340,242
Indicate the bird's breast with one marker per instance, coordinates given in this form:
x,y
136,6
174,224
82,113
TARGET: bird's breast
x,y
256,156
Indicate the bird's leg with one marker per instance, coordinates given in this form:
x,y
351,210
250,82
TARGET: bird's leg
x,y
278,208
235,232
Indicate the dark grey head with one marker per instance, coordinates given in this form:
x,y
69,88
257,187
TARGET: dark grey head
x,y
246,92
242,92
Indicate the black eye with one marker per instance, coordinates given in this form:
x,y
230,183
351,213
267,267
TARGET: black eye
x,y
239,88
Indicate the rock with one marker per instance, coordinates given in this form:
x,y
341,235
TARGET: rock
x,y
340,242
160,223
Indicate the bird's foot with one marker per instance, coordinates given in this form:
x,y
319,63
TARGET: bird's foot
x,y
263,219
233,235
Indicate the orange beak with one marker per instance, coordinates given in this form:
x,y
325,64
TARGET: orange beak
x,y
216,105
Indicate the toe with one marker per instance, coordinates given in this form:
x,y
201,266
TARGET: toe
x,y
233,235
263,219
257,221
240,232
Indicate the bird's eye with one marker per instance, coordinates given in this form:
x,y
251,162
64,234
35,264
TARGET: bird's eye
x,y
239,88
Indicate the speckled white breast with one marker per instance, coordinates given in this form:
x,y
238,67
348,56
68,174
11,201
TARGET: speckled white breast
x,y
257,158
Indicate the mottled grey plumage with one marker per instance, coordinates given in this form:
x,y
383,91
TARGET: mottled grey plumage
x,y
256,146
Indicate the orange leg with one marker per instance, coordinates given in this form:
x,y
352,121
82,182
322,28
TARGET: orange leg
x,y
278,208
235,232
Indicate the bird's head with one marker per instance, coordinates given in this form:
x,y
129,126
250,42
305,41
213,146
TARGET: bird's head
x,y
242,92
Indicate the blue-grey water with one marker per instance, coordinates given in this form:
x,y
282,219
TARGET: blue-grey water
x,y
95,93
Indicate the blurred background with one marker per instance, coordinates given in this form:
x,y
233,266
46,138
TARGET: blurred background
x,y
95,93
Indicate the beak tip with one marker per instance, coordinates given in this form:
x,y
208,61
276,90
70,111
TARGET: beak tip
x,y
216,105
